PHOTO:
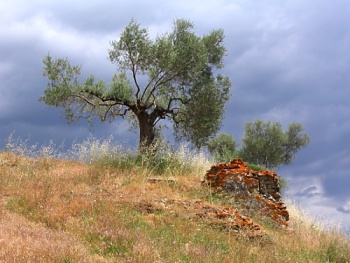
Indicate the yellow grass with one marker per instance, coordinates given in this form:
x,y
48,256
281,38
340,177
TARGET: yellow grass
x,y
68,211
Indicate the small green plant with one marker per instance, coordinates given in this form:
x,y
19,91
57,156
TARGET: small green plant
x,y
107,246
256,167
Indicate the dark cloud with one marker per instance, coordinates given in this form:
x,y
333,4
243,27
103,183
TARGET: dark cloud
x,y
310,191
336,184
344,209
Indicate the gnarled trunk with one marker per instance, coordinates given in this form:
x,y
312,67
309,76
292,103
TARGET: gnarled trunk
x,y
147,130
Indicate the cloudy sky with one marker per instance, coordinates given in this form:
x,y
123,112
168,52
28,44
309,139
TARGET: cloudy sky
x,y
289,61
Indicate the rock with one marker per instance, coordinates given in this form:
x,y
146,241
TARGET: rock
x,y
157,180
260,189
229,218
221,217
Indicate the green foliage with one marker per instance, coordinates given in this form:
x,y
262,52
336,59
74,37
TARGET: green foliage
x,y
120,88
256,167
223,147
181,83
266,144
208,98
86,99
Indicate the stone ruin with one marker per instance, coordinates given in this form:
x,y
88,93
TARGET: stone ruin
x,y
259,191
254,192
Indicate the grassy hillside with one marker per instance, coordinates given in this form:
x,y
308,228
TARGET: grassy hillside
x,y
109,210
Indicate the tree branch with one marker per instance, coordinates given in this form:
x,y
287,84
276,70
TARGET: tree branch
x,y
154,86
160,81
134,73
180,99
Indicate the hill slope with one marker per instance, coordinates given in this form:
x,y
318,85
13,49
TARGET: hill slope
x,y
66,211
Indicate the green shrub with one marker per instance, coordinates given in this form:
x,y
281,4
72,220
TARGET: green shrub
x,y
223,147
256,167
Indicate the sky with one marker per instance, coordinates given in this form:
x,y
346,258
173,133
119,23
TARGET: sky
x,y
288,60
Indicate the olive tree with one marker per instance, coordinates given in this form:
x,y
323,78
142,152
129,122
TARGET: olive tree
x,y
223,147
173,76
266,144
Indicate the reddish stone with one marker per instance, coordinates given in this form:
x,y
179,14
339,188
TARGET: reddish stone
x,y
262,186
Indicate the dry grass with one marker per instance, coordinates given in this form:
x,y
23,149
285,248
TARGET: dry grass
x,y
68,211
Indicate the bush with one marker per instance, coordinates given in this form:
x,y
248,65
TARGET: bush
x,y
223,147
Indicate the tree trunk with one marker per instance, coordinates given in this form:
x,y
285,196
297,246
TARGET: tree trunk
x,y
147,130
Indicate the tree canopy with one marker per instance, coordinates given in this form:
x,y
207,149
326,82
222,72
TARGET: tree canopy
x,y
223,147
182,85
266,144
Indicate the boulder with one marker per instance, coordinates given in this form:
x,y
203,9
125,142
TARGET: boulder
x,y
259,189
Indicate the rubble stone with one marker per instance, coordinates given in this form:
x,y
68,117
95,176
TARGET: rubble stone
x,y
260,189
222,217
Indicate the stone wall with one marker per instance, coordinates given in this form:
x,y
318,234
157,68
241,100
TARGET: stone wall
x,y
259,189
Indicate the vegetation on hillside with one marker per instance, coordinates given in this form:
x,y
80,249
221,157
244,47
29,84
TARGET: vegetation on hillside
x,y
264,144
101,207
